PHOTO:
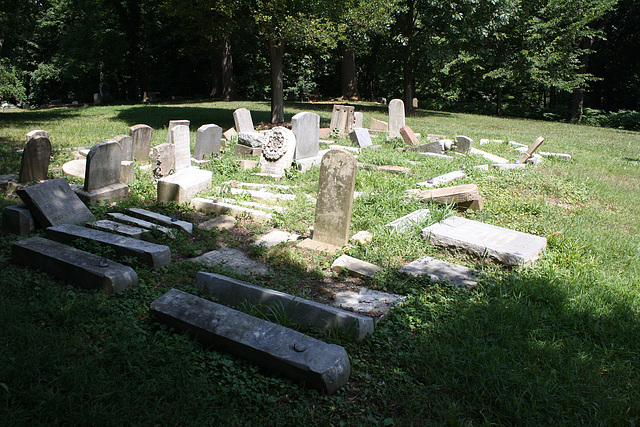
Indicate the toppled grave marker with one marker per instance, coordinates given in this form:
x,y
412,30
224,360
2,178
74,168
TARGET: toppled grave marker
x,y
117,227
184,185
463,144
509,166
431,147
210,205
463,197
361,137
237,293
443,179
531,150
488,156
408,136
441,271
355,267
222,222
276,237
403,223
291,353
378,126
508,247
17,219
234,260
369,301
164,220
152,254
66,263
136,222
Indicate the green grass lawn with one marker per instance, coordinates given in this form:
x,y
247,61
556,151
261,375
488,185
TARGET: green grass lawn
x,y
555,343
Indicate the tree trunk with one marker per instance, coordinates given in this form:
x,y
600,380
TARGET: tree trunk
x,y
499,101
276,54
227,69
409,89
577,96
214,64
348,73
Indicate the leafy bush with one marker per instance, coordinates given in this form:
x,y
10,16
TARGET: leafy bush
x,y
623,119
11,88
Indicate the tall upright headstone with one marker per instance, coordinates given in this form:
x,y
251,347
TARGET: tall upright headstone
x,y
335,198
208,141
141,136
277,152
358,118
35,160
164,160
180,137
306,128
102,175
242,119
126,144
396,117
174,123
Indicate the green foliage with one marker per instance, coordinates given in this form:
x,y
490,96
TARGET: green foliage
x,y
11,88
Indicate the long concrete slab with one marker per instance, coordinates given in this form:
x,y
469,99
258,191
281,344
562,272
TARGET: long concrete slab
x,y
160,219
235,293
293,354
136,222
152,254
79,267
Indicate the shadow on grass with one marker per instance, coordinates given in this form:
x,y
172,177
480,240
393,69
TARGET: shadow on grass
x,y
36,117
629,159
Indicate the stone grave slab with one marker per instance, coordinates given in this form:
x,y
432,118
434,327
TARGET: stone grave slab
x,y
172,124
235,260
136,222
243,121
509,166
76,168
295,355
182,186
245,151
560,156
277,152
53,202
529,152
251,139
148,253
247,164
69,264
182,145
342,118
378,125
443,179
361,137
488,156
446,195
35,160
396,117
335,198
236,293
126,144
276,237
117,227
508,247
306,128
17,219
367,301
208,141
440,156
463,144
354,150
404,223
431,147
355,267
358,120
209,205
229,134
442,271
160,219
222,222
141,136
164,160
408,136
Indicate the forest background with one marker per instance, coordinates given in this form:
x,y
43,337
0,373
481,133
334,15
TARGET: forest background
x,y
549,59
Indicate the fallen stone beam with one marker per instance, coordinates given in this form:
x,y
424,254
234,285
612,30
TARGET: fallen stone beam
x,y
151,254
235,293
160,219
293,354
69,264
136,222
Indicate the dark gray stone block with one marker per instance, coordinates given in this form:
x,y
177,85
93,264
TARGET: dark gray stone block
x,y
152,254
73,265
160,219
295,355
235,293
17,219
35,160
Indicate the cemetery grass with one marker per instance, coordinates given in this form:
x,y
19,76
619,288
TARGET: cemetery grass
x,y
552,343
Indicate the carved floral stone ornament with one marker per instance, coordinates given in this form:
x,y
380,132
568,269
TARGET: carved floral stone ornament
x,y
276,145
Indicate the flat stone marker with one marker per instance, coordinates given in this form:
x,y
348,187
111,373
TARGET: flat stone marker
x,y
463,144
182,143
403,223
117,227
560,156
243,121
396,117
443,179
222,222
358,120
508,247
208,141
355,267
69,264
163,220
141,136
183,185
441,271
53,202
172,124
276,237
431,147
378,125
234,260
306,128
408,136
523,158
335,198
446,195
369,301
148,253
295,355
229,134
76,168
136,222
209,205
164,160
509,166
277,152
35,160
17,219
361,137
488,156
322,317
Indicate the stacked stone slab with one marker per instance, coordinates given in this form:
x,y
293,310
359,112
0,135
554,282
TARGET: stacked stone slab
x,y
102,176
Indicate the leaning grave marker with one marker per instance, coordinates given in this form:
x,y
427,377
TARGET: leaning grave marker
x,y
35,160
243,121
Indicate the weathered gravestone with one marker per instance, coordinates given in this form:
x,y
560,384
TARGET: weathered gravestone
x,y
277,152
164,160
127,169
102,176
342,118
53,202
141,136
174,123
335,198
441,271
17,219
306,128
242,119
408,136
378,125
182,144
361,137
525,156
463,144
184,185
295,355
208,141
37,132
358,120
35,160
396,117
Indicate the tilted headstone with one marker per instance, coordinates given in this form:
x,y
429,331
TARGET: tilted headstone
x,y
531,150
181,141
17,219
415,102
306,127
37,132
53,202
378,125
174,123
358,120
277,151
126,143
361,137
164,160
463,144
335,198
242,119
35,160
208,141
396,117
141,136
103,165
408,136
